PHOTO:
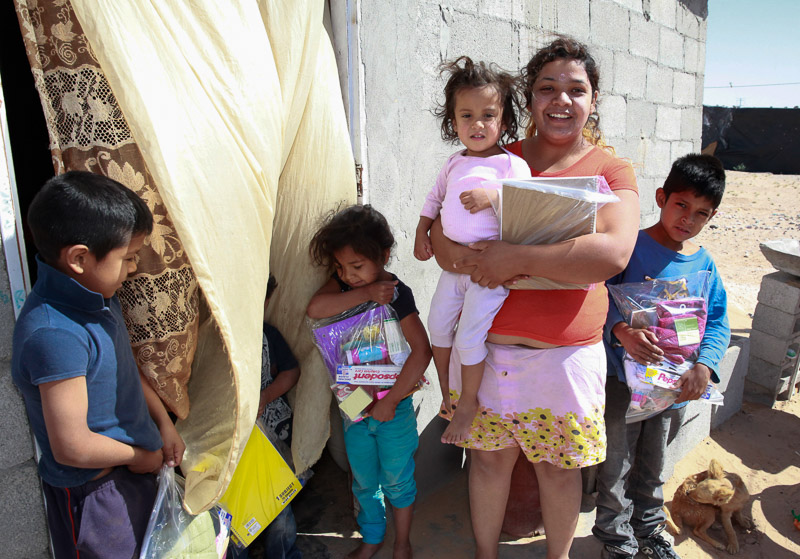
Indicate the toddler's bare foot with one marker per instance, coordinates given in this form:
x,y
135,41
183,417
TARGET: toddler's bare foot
x,y
402,550
459,426
365,551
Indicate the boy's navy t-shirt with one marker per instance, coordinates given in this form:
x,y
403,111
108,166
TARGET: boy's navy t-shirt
x,y
64,331
276,358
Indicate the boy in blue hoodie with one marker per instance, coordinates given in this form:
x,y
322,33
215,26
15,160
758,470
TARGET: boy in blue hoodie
x,y
630,482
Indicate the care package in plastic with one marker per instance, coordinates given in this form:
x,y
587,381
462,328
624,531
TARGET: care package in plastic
x,y
675,310
546,210
261,487
364,350
173,533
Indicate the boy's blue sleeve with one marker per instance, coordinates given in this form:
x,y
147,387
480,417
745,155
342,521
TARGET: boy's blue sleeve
x,y
614,316
717,335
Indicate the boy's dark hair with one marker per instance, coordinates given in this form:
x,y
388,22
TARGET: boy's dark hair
x,y
466,74
702,174
81,208
363,228
272,285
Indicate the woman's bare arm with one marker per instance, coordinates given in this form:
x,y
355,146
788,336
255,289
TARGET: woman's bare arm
x,y
447,252
585,259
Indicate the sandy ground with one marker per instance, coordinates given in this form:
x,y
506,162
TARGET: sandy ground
x,y
759,443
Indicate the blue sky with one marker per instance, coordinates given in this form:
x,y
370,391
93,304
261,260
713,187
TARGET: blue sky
x,y
753,42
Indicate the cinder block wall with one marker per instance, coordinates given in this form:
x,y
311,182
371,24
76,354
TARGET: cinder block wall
x,y
20,492
651,55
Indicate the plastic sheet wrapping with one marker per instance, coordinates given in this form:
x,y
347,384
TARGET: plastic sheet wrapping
x,y
364,350
173,533
237,110
675,310
549,210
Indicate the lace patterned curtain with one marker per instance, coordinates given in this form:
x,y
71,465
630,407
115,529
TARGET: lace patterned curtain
x,y
89,132
237,113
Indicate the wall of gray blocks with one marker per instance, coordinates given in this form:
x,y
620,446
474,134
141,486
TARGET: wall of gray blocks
x,y
651,55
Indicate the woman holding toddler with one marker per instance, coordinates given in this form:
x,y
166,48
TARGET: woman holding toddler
x,y
543,387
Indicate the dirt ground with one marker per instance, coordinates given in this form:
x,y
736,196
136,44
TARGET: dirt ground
x,y
758,443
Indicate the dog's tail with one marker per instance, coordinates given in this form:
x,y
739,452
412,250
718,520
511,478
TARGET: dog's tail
x,y
715,470
672,527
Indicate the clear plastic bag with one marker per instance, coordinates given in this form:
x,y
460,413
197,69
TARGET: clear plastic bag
x,y
675,310
173,533
364,350
546,210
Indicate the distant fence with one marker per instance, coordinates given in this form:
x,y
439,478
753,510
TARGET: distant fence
x,y
758,140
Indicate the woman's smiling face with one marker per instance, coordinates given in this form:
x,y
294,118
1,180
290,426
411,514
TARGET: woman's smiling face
x,y
562,100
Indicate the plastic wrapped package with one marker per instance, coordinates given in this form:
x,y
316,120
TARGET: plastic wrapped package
x,y
546,210
364,350
173,533
675,310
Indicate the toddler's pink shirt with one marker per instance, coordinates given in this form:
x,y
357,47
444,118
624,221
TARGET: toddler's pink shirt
x,y
462,173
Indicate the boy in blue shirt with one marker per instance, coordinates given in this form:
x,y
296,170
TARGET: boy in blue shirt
x,y
101,428
630,498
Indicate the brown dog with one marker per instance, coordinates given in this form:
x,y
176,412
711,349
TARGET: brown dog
x,y
700,496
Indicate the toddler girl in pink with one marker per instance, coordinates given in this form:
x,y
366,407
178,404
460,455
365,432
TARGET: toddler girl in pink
x,y
479,111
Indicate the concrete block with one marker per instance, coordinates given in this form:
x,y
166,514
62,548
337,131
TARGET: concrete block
x,y
573,18
732,373
16,444
659,84
612,112
690,61
683,88
701,56
687,23
25,527
663,12
503,9
644,38
772,349
630,75
696,426
496,40
775,322
679,149
668,123
632,5
780,290
657,157
641,118
609,25
692,123
670,48
757,394
604,57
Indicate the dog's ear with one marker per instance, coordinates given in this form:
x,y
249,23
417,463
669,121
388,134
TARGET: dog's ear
x,y
715,470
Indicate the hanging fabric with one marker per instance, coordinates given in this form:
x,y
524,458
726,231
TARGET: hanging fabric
x,y
237,111
88,132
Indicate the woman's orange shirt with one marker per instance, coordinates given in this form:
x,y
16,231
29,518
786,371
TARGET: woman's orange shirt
x,y
565,316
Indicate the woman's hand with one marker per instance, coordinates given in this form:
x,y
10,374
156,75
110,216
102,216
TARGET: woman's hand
x,y
491,263
639,343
